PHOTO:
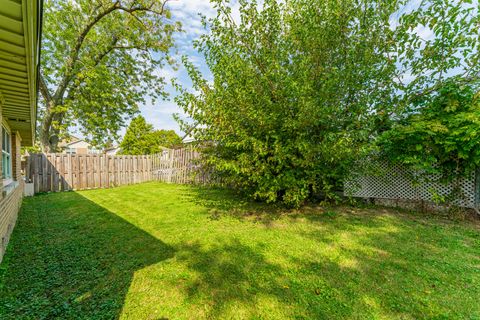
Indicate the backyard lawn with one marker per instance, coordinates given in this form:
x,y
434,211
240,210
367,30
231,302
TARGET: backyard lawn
x,y
158,251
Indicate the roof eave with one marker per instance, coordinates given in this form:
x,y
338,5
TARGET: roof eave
x,y
32,23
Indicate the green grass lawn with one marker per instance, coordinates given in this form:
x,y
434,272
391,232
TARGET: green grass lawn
x,y
157,251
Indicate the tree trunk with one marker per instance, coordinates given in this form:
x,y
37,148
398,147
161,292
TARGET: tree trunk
x,y
44,136
48,135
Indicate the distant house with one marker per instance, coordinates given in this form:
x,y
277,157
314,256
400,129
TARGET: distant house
x,y
188,139
112,151
74,145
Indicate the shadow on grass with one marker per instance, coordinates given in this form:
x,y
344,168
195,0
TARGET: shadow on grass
x,y
234,275
222,202
238,281
376,273
72,259
230,275
352,263
226,202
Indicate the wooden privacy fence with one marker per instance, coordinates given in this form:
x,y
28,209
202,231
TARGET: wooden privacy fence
x,y
178,166
61,172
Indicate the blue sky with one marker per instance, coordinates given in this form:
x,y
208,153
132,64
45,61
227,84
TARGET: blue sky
x,y
187,12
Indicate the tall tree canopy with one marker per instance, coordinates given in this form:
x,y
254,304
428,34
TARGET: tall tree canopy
x,y
302,87
141,138
100,59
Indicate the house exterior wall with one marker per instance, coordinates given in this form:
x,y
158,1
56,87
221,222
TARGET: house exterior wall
x,y
79,145
10,195
18,97
9,206
1,120
112,152
82,150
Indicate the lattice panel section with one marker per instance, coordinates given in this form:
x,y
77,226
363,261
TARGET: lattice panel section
x,y
397,182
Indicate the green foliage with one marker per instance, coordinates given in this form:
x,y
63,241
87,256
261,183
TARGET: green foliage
x,y
298,89
437,128
137,138
166,138
141,138
301,88
100,60
153,251
442,136
437,42
33,149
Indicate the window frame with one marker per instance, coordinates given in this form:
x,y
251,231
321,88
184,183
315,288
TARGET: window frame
x,y
69,150
6,135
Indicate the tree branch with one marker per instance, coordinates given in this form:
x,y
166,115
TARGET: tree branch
x,y
96,61
44,89
259,64
463,80
81,38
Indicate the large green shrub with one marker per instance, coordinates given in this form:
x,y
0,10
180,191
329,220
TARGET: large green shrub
x,y
436,130
298,88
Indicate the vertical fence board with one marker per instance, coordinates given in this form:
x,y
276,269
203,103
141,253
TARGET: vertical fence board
x,y
61,172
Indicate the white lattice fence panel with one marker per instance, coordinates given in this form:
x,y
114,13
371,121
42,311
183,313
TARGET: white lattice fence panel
x,y
397,182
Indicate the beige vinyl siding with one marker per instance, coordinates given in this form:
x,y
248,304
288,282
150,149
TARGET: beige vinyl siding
x,y
1,162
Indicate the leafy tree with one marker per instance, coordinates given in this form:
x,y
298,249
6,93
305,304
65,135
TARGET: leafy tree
x,y
141,138
99,61
302,88
166,138
437,130
437,45
299,88
442,138
136,140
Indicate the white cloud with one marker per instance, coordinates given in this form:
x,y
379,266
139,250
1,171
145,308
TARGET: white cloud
x,y
161,114
192,6
189,13
424,32
166,72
